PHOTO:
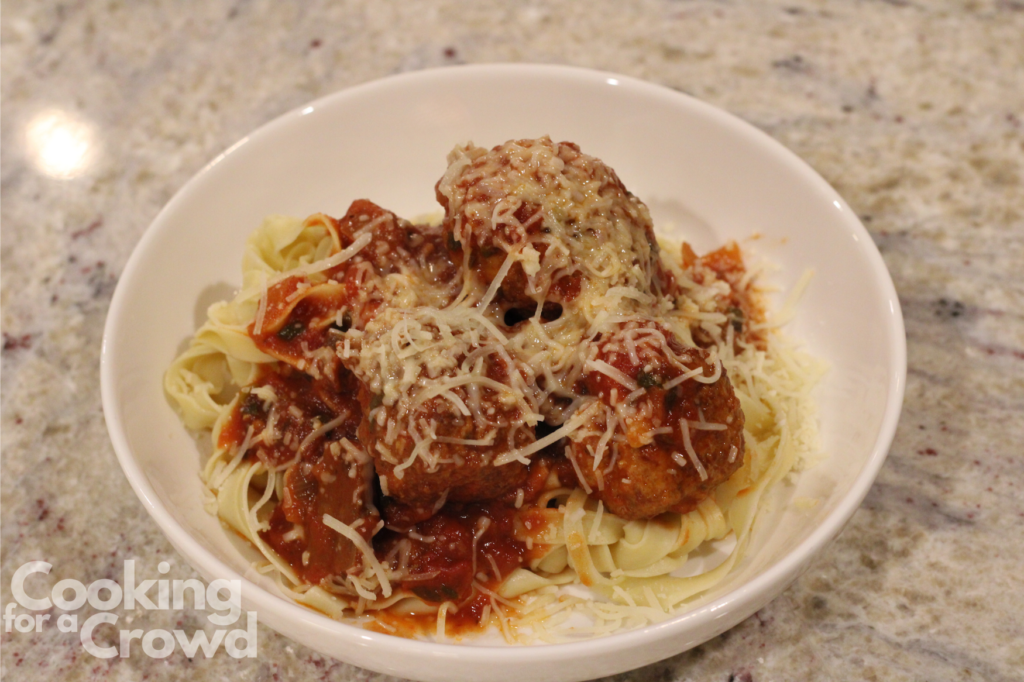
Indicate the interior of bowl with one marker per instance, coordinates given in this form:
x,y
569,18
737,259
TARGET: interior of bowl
x,y
705,175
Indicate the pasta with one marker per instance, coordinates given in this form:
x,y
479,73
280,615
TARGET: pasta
x,y
435,428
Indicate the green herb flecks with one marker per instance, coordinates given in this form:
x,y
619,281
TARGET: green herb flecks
x,y
648,380
291,330
252,406
736,317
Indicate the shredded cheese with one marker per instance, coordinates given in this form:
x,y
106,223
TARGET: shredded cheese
x,y
684,427
367,552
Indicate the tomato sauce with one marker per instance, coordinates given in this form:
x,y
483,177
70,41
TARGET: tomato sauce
x,y
324,481
452,557
325,487
306,324
743,307
441,553
451,554
299,401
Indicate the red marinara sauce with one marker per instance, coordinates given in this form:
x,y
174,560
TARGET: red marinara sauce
x,y
441,554
323,480
460,548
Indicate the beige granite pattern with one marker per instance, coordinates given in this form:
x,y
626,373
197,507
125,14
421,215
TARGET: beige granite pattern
x,y
912,109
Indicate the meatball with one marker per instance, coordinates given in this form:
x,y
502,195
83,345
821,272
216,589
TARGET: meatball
x,y
562,216
446,470
674,441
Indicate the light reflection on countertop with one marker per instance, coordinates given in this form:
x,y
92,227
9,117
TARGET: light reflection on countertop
x,y
60,144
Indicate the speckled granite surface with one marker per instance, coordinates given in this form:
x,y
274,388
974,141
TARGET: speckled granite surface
x,y
914,110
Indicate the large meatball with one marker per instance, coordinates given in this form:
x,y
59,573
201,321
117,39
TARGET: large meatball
x,y
437,414
563,216
674,441
452,471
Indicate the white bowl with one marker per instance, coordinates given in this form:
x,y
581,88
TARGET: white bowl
x,y
701,171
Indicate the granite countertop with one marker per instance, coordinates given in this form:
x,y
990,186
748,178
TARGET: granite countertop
x,y
913,110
